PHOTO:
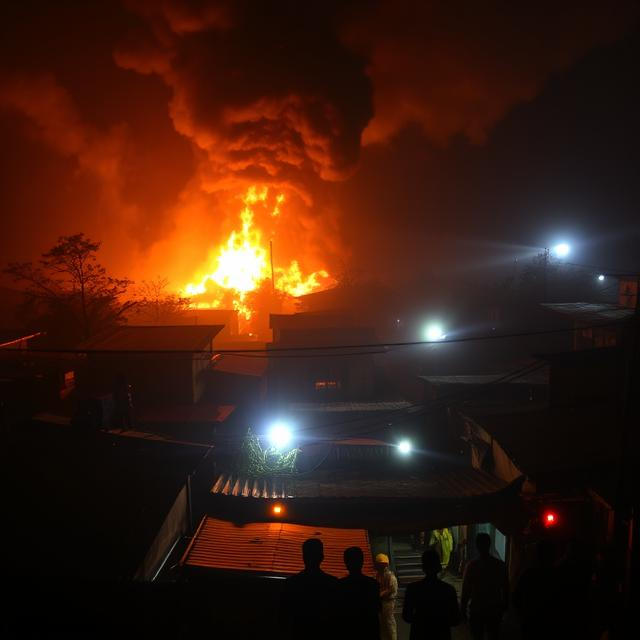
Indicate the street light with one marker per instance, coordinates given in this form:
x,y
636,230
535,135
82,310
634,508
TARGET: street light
x,y
404,447
280,435
601,277
562,250
433,332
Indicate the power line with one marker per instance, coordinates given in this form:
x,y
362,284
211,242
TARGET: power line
x,y
403,413
281,352
612,273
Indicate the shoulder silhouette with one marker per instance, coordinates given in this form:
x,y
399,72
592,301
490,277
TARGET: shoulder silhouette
x,y
309,605
359,600
431,605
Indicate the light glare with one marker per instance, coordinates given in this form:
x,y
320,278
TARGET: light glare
x,y
601,277
404,447
280,436
562,250
433,332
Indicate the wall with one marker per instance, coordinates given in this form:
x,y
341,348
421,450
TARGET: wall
x,y
175,525
155,380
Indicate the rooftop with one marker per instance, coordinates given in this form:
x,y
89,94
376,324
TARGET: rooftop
x,y
271,547
557,440
591,313
12,337
250,365
155,338
87,505
450,484
349,407
536,377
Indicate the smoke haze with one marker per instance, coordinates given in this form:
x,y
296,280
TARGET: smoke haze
x,y
140,123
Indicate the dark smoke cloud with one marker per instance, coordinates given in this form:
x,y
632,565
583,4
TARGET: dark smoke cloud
x,y
265,90
141,119
456,67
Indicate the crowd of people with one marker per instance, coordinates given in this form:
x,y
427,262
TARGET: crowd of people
x,y
318,605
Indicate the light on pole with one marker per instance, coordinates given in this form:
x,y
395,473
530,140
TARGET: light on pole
x,y
561,250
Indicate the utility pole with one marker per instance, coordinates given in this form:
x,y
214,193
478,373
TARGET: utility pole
x,y
273,280
545,265
626,498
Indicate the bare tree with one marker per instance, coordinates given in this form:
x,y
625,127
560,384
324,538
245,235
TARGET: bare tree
x,y
71,285
156,304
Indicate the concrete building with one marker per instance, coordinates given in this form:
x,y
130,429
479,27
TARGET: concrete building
x,y
162,364
318,373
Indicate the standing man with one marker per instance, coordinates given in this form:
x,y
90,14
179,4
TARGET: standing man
x,y
388,584
485,588
309,604
442,541
359,600
431,605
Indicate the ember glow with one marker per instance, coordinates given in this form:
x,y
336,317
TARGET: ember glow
x,y
243,263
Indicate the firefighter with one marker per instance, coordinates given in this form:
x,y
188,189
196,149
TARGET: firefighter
x,y
442,542
388,592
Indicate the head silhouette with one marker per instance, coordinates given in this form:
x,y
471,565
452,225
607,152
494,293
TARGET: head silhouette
x,y
483,543
353,559
431,563
312,553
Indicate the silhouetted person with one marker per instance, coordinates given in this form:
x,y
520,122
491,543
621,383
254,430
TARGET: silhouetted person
x,y
431,605
359,600
536,597
309,606
485,589
122,403
574,575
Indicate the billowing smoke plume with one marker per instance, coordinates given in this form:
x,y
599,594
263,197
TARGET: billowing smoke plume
x,y
280,93
265,90
458,67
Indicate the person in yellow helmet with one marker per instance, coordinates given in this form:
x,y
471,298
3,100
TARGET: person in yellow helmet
x,y
388,593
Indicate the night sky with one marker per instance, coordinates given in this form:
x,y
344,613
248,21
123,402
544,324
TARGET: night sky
x,y
411,136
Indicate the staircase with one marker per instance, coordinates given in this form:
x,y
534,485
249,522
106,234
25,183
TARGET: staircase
x,y
408,569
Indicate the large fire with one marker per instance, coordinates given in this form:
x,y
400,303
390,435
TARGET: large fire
x,y
244,263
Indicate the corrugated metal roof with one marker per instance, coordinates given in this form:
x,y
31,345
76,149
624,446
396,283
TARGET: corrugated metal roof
x,y
271,547
591,312
12,337
339,407
152,338
536,377
255,366
452,484
203,412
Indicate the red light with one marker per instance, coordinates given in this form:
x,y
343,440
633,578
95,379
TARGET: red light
x,y
550,519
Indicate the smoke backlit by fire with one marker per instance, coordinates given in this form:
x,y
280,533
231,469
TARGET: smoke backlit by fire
x,y
243,263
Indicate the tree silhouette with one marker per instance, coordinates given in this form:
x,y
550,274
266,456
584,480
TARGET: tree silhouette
x,y
69,291
157,305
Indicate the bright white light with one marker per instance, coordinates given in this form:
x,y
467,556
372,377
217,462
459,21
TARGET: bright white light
x,y
601,277
434,332
562,250
404,447
280,435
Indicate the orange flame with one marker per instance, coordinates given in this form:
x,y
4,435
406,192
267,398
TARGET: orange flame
x,y
241,264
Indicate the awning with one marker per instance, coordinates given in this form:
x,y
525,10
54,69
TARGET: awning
x,y
270,547
390,505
